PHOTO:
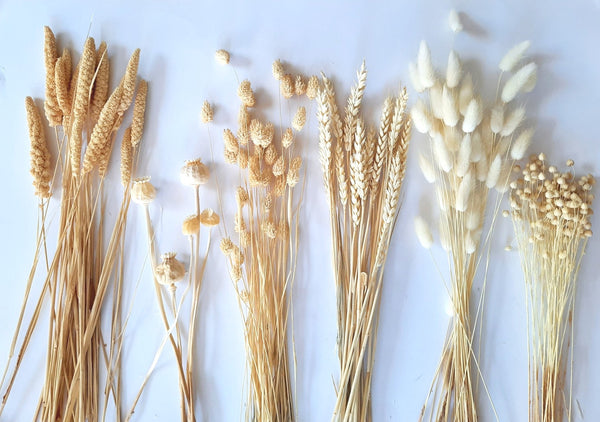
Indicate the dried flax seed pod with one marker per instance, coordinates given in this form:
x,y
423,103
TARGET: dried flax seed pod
x,y
194,173
209,218
40,156
142,191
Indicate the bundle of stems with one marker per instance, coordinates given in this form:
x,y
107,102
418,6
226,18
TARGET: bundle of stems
x,y
551,213
80,269
363,172
263,261
169,273
473,152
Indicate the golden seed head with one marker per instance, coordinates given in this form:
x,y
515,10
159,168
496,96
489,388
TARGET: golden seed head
x,y
570,163
194,173
300,85
191,225
142,191
209,218
299,119
505,213
542,156
278,70
241,196
312,88
170,270
227,246
222,57
206,114
287,86
246,94
287,138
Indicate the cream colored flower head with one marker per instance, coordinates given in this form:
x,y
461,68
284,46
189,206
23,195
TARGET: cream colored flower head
x,y
170,270
194,173
209,218
142,191
222,57
191,225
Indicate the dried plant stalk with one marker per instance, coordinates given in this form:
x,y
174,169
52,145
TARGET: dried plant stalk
x,y
551,216
81,268
469,156
370,169
263,262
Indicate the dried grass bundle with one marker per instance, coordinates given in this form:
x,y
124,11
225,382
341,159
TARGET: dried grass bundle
x,y
263,259
551,213
470,154
363,173
81,267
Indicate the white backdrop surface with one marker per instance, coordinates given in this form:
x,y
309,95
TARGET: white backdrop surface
x,y
178,40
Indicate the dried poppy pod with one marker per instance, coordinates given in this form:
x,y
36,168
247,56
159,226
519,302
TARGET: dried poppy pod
x,y
209,218
170,270
191,225
142,191
194,173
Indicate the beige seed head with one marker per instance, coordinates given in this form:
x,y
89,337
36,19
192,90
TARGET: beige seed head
x,y
222,57
279,166
209,218
246,94
241,196
278,70
139,110
62,77
226,246
312,88
454,21
299,119
287,138
191,225
101,83
300,85
142,191
194,173
40,156
128,82
287,86
170,270
126,157
206,114
51,105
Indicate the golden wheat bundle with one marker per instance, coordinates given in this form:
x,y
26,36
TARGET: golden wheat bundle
x,y
470,152
363,170
551,213
81,267
262,256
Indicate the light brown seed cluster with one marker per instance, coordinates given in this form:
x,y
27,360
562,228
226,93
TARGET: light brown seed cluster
x,y
206,114
51,105
139,110
246,94
554,204
40,156
295,84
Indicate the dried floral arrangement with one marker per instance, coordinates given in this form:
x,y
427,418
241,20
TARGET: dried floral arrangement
x,y
363,170
168,275
471,152
551,213
81,269
262,260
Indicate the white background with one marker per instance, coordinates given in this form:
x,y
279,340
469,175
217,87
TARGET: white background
x,y
178,41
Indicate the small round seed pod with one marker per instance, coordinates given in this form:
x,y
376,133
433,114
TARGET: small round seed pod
x,y
222,57
194,173
170,270
209,218
142,191
191,225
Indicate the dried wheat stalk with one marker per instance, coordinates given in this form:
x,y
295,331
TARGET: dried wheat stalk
x,y
363,173
472,152
81,267
551,213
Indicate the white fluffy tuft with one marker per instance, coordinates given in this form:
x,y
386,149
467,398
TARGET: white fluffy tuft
x,y
426,71
426,168
473,116
523,79
494,172
441,153
454,21
463,162
521,144
514,55
513,121
423,232
449,110
454,70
